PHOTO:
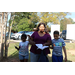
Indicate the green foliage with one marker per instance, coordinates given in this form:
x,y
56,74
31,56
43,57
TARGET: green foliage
x,y
23,25
74,23
49,28
25,21
28,20
53,17
64,22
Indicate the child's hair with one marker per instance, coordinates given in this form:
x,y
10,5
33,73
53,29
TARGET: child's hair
x,y
23,35
56,32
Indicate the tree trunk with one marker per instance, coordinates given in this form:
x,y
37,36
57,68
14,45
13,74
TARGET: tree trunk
x,y
2,45
5,35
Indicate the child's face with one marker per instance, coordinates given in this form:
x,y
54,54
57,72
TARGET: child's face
x,y
23,39
56,36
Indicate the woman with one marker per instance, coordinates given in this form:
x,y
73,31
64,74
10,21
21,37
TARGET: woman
x,y
39,37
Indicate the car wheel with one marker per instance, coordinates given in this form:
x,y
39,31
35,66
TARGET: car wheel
x,y
64,38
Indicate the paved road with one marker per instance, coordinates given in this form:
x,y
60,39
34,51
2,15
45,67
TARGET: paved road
x,y
15,40
67,41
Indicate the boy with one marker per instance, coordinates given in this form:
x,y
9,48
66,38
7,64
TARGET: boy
x,y
57,45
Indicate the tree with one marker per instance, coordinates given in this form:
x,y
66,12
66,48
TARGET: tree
x,y
53,17
72,21
24,25
25,21
32,19
49,28
64,22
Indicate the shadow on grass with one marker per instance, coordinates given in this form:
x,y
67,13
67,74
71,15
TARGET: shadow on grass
x,y
15,54
14,58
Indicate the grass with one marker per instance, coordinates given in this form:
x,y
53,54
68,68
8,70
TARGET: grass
x,y
70,57
11,50
13,53
70,46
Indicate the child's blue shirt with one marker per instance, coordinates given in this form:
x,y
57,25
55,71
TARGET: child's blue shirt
x,y
57,46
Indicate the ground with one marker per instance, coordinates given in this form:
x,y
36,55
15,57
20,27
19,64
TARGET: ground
x,y
13,53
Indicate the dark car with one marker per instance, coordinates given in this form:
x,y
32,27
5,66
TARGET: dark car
x,y
63,35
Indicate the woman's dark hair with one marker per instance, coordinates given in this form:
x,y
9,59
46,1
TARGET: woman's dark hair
x,y
39,26
56,32
23,35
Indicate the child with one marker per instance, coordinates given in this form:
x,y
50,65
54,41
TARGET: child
x,y
23,49
57,45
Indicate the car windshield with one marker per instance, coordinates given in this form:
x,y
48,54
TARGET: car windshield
x,y
29,32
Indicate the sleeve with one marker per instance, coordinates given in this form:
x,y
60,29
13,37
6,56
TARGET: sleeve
x,y
63,43
49,37
52,42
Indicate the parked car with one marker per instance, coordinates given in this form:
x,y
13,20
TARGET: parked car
x,y
28,33
8,34
63,35
16,36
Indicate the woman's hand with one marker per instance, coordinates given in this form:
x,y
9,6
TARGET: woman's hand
x,y
29,36
31,42
43,44
47,43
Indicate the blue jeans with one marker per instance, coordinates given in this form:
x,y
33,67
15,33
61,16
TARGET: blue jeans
x,y
57,58
21,57
34,57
